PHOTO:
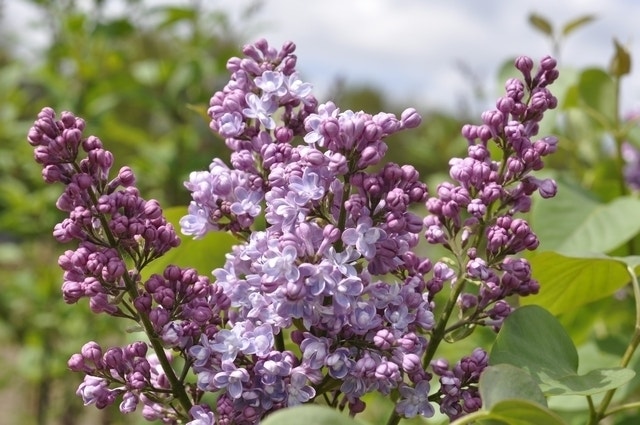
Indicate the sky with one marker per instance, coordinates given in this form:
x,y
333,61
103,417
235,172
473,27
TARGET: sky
x,y
412,50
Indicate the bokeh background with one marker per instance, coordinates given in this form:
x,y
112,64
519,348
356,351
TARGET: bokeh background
x,y
141,74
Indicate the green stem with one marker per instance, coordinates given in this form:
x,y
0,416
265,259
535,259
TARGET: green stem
x,y
342,219
618,137
623,407
394,419
439,332
177,385
628,354
279,341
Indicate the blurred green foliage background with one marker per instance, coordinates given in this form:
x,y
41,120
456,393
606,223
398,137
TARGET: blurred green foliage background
x,y
142,80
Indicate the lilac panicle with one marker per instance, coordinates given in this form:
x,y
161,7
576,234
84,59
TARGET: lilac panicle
x,y
335,228
474,215
327,253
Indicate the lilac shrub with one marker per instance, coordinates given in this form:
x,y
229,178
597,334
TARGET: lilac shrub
x,y
328,295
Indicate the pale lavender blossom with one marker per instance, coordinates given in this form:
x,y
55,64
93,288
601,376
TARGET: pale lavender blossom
x,y
339,363
94,390
299,391
201,416
314,350
281,264
346,290
260,109
297,88
230,343
314,122
364,237
306,188
231,124
247,202
231,378
272,83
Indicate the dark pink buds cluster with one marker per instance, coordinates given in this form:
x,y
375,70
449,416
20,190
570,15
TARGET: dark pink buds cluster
x,y
475,215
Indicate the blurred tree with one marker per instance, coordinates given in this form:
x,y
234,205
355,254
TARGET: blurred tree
x,y
141,77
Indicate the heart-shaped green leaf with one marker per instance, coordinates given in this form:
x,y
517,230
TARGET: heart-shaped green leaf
x,y
567,283
593,227
533,339
505,382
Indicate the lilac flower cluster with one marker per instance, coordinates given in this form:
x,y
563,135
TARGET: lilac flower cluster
x,y
336,232
458,393
328,298
118,234
333,229
474,217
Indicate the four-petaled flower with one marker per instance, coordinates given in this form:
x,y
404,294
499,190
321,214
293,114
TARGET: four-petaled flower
x,y
415,400
364,237
260,109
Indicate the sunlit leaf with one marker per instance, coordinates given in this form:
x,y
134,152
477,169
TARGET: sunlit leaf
x,y
574,223
521,412
567,283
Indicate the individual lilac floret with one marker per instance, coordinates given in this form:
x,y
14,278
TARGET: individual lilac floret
x,y
364,237
201,415
415,400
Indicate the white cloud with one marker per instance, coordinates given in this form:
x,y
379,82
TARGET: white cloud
x,y
410,47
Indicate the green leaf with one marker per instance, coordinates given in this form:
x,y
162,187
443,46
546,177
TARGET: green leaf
x,y
203,254
532,339
541,24
567,283
523,412
576,23
309,414
598,94
594,227
504,382
621,62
